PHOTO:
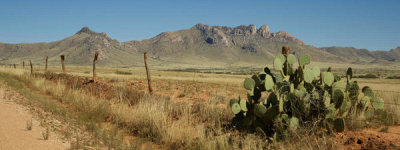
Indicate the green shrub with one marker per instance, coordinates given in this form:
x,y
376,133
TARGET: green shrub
x,y
123,72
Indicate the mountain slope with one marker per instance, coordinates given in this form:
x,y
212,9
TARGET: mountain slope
x,y
201,45
224,45
78,50
363,56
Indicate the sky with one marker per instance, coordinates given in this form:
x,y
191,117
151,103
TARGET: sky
x,y
369,24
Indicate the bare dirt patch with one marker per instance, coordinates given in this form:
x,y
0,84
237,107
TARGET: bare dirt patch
x,y
14,127
379,138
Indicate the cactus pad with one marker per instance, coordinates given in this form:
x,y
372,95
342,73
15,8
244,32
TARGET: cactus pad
x,y
340,85
308,75
327,99
354,90
365,101
328,78
300,92
262,75
269,82
272,113
368,91
243,105
267,70
281,57
349,73
278,64
291,59
249,84
377,103
338,98
316,71
338,124
293,123
236,108
304,59
256,79
260,110
360,96
278,77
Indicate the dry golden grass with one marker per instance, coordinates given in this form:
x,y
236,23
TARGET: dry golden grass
x,y
182,123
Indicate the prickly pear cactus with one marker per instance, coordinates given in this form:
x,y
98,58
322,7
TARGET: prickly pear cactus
x,y
294,98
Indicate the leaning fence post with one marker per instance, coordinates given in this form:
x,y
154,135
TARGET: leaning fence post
x,y
62,63
147,72
30,62
47,57
94,66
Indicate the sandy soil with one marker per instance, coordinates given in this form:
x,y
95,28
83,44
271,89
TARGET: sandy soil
x,y
371,139
14,134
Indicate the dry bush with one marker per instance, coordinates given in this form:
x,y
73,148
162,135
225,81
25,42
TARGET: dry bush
x,y
46,134
148,118
91,108
29,125
127,95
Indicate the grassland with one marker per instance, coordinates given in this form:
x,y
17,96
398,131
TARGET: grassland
x,y
188,110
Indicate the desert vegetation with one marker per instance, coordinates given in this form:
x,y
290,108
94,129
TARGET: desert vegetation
x,y
284,108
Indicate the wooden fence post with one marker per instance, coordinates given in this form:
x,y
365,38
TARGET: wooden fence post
x,y
94,66
30,62
23,64
62,63
15,66
147,72
47,57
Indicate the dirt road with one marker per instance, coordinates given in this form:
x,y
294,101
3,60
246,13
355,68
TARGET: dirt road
x,y
14,134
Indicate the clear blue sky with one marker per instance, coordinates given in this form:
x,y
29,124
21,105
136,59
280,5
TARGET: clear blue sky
x,y
359,23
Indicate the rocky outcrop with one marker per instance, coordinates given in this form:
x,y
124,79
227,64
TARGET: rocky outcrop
x,y
225,35
283,36
264,31
85,30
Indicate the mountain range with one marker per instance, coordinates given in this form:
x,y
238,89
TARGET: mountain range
x,y
198,46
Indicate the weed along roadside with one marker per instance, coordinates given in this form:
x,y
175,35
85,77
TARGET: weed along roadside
x,y
285,107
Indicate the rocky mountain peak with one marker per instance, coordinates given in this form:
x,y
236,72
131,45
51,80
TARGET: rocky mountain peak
x,y
284,36
226,35
86,30
264,31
